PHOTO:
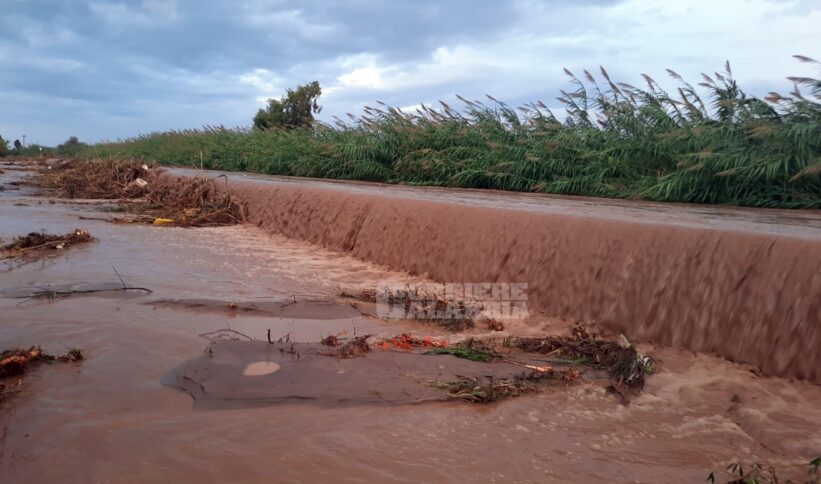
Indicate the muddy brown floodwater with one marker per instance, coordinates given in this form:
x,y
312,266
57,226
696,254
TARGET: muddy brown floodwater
x,y
745,284
111,419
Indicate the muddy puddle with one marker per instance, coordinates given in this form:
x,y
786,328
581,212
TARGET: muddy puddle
x,y
126,414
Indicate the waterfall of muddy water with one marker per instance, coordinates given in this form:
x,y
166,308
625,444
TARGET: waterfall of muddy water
x,y
744,284
110,419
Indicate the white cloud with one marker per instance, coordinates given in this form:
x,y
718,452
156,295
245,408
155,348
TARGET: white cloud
x,y
265,83
628,38
150,13
289,21
364,77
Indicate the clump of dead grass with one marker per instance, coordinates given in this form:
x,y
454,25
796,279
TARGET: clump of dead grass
x,y
487,390
154,196
621,360
97,179
331,340
356,346
192,202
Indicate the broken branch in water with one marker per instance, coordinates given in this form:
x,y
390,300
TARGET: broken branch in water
x,y
53,294
224,333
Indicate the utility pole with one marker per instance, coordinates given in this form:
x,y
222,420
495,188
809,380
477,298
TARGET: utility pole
x,y
24,141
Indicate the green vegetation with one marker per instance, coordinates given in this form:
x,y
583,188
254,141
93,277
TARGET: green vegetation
x,y
4,147
466,353
616,140
295,110
71,148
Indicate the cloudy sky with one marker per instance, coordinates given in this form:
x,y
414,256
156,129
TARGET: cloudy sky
x,y
106,69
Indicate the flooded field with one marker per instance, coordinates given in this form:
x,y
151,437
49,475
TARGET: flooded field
x,y
114,418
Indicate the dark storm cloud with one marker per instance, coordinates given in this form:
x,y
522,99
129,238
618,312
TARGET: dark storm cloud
x,y
108,68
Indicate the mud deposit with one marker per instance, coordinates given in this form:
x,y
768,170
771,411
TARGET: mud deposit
x,y
311,372
112,419
742,284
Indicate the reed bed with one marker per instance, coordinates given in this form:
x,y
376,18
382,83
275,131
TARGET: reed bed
x,y
714,144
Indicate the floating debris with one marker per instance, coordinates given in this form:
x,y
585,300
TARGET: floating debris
x,y
494,325
619,358
332,340
356,346
488,389
155,198
408,342
15,362
44,242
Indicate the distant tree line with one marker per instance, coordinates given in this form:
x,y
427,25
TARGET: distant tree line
x,y
71,147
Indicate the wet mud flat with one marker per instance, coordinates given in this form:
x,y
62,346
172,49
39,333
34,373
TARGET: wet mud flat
x,y
115,417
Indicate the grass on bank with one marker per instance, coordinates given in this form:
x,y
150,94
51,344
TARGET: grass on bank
x,y
616,140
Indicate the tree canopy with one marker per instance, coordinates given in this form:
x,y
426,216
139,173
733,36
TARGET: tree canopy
x,y
294,110
71,147
4,147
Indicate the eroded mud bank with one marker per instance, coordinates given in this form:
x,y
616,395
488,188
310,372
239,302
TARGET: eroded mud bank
x,y
743,284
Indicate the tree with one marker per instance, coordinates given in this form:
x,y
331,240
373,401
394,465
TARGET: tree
x,y
4,147
71,147
71,141
18,146
294,110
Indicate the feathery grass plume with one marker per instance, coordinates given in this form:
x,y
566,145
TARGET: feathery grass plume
x,y
709,142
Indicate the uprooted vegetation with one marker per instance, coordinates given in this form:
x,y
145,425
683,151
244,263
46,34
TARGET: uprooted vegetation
x,y
15,362
621,361
568,357
43,243
619,358
486,390
148,195
755,473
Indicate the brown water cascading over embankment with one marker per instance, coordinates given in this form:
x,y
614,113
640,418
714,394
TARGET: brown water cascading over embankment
x,y
752,297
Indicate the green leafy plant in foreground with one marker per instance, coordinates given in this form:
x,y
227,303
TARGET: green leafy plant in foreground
x,y
465,353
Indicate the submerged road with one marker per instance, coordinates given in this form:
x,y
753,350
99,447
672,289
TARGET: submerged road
x,y
793,223
743,283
